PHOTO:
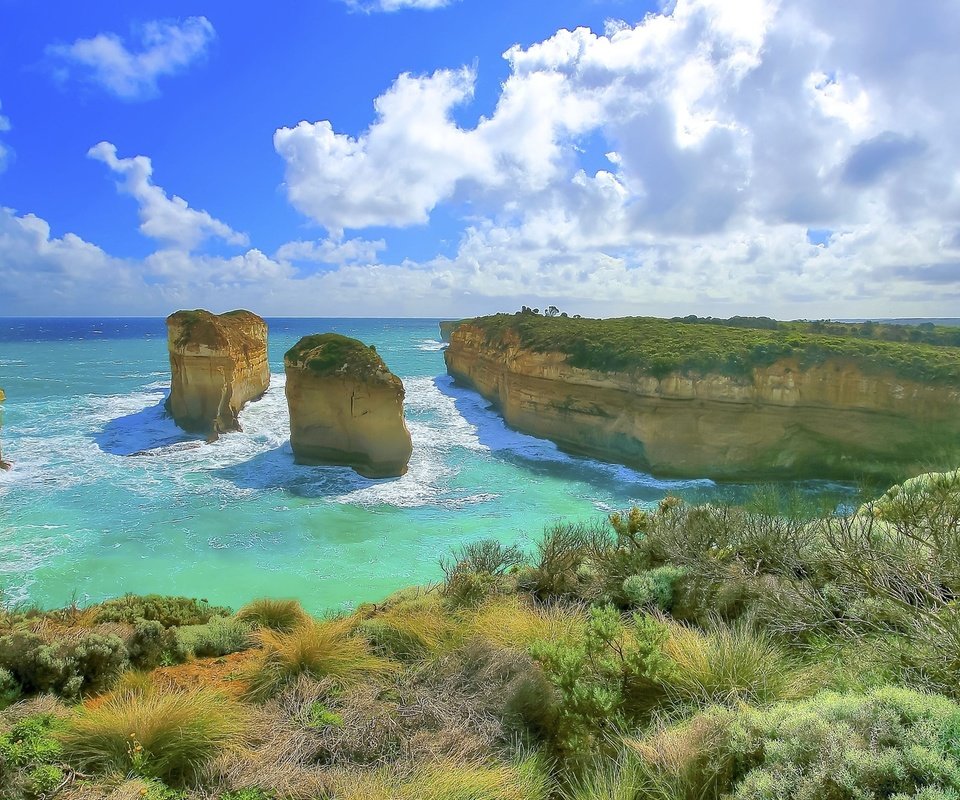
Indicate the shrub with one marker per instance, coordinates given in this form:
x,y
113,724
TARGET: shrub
x,y
218,637
890,742
318,649
603,682
731,665
9,688
168,611
169,736
652,588
151,645
489,556
560,555
277,615
68,666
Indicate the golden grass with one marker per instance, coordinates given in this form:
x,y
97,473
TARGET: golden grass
x,y
167,735
511,621
447,780
318,649
412,628
733,665
278,615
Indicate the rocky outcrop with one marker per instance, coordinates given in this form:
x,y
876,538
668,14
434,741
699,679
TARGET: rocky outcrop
x,y
346,407
447,327
780,421
218,364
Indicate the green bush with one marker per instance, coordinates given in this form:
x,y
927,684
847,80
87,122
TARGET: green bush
x,y
167,610
603,682
9,688
88,662
30,757
218,637
151,645
653,588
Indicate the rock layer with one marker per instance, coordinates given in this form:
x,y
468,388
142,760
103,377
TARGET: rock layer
x,y
218,363
782,421
346,407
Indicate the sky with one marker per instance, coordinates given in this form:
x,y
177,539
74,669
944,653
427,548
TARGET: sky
x,y
447,158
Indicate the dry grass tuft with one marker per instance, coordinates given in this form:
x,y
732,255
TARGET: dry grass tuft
x,y
516,622
166,735
317,649
282,616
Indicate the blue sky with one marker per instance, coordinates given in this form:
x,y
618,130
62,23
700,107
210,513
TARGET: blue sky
x,y
422,157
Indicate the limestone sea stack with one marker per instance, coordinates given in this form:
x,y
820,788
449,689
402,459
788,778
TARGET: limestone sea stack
x,y
346,407
218,364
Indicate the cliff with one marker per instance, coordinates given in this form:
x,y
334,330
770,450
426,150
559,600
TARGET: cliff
x,y
447,327
346,407
218,363
784,416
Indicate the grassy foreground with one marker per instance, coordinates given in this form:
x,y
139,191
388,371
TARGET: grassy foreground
x,y
680,652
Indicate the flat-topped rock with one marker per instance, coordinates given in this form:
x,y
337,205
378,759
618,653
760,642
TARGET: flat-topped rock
x,y
346,407
218,364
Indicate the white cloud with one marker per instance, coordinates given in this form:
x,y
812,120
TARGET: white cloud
x,y
330,251
167,219
371,6
165,49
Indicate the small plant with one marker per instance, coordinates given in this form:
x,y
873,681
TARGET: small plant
x,y
169,736
320,717
652,588
30,758
601,682
318,649
277,615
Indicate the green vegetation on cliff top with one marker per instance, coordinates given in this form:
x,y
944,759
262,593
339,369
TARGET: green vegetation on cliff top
x,y
733,347
330,353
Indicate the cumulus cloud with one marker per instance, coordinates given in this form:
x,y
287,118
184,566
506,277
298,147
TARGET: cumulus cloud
x,y
371,6
331,251
729,130
165,48
168,219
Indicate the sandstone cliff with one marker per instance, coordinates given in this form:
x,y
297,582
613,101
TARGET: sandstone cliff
x,y
782,420
447,327
218,363
346,407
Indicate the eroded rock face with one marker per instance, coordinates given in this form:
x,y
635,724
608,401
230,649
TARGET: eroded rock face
x,y
346,407
218,364
783,421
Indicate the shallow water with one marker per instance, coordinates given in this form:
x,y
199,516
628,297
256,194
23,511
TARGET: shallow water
x,y
83,518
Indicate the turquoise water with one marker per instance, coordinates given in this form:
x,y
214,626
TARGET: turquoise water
x,y
83,518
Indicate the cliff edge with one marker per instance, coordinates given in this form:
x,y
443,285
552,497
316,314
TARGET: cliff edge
x,y
218,364
346,407
703,401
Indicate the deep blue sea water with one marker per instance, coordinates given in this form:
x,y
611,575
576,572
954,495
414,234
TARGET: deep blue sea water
x,y
82,518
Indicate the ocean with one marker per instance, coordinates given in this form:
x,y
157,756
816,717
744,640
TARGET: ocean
x,y
102,501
